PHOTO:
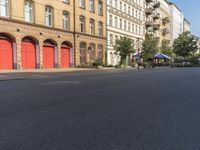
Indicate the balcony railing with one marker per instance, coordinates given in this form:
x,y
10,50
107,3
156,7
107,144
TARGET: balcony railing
x,y
156,16
148,1
165,20
156,26
149,23
166,31
156,5
149,11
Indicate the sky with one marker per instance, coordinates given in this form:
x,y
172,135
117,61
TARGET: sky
x,y
191,11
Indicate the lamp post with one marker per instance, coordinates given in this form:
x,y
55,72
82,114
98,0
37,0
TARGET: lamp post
x,y
138,53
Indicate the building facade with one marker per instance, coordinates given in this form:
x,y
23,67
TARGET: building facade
x,y
186,25
124,18
45,33
177,22
164,32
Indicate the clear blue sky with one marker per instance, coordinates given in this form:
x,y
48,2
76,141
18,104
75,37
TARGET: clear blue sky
x,y
191,10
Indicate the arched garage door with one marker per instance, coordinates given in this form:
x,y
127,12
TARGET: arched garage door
x,y
48,55
65,55
6,54
28,54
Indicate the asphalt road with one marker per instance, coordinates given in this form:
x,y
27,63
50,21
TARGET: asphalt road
x,y
156,109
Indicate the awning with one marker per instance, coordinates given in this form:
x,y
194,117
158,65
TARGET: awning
x,y
161,56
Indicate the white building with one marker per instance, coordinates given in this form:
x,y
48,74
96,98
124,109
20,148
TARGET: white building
x,y
186,25
177,21
124,18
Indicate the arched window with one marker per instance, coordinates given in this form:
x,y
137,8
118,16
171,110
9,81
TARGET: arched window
x,y
100,52
49,16
28,11
66,24
82,53
92,51
92,27
4,8
82,23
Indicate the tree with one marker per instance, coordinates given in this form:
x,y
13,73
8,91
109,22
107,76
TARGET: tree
x,y
185,45
149,47
124,46
166,48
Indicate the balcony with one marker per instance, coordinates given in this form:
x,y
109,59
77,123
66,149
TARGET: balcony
x,y
149,23
156,16
149,1
149,11
165,31
156,5
165,20
156,26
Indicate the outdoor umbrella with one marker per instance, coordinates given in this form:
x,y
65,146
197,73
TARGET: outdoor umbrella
x,y
161,56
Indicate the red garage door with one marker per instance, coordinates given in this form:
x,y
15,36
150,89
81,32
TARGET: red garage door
x,y
65,57
48,57
6,54
28,55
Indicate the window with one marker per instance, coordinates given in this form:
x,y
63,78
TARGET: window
x,y
49,16
110,20
100,8
66,1
82,3
120,5
120,23
92,5
110,2
116,3
100,52
116,22
100,29
28,11
82,53
92,51
111,39
129,26
82,23
125,27
92,29
4,8
125,8
65,20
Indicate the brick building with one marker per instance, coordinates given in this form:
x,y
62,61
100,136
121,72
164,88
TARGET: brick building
x,y
50,33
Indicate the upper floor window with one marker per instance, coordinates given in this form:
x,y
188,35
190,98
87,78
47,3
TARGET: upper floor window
x,y
82,23
4,8
116,3
28,11
100,28
92,5
65,20
92,29
100,8
110,20
66,1
82,3
49,16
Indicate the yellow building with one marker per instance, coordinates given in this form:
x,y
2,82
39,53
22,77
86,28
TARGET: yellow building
x,y
46,33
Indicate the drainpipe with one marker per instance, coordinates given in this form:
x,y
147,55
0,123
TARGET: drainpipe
x,y
74,32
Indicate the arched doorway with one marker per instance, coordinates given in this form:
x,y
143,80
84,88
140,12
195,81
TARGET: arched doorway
x,y
92,51
6,52
83,55
28,53
49,54
65,54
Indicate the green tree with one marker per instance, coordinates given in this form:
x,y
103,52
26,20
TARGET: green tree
x,y
166,48
149,47
185,45
124,46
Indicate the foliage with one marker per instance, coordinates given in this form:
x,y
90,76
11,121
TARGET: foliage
x,y
149,47
185,45
124,46
166,48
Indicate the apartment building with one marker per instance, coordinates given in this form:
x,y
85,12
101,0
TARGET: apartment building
x,y
51,33
124,18
176,22
186,25
152,11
